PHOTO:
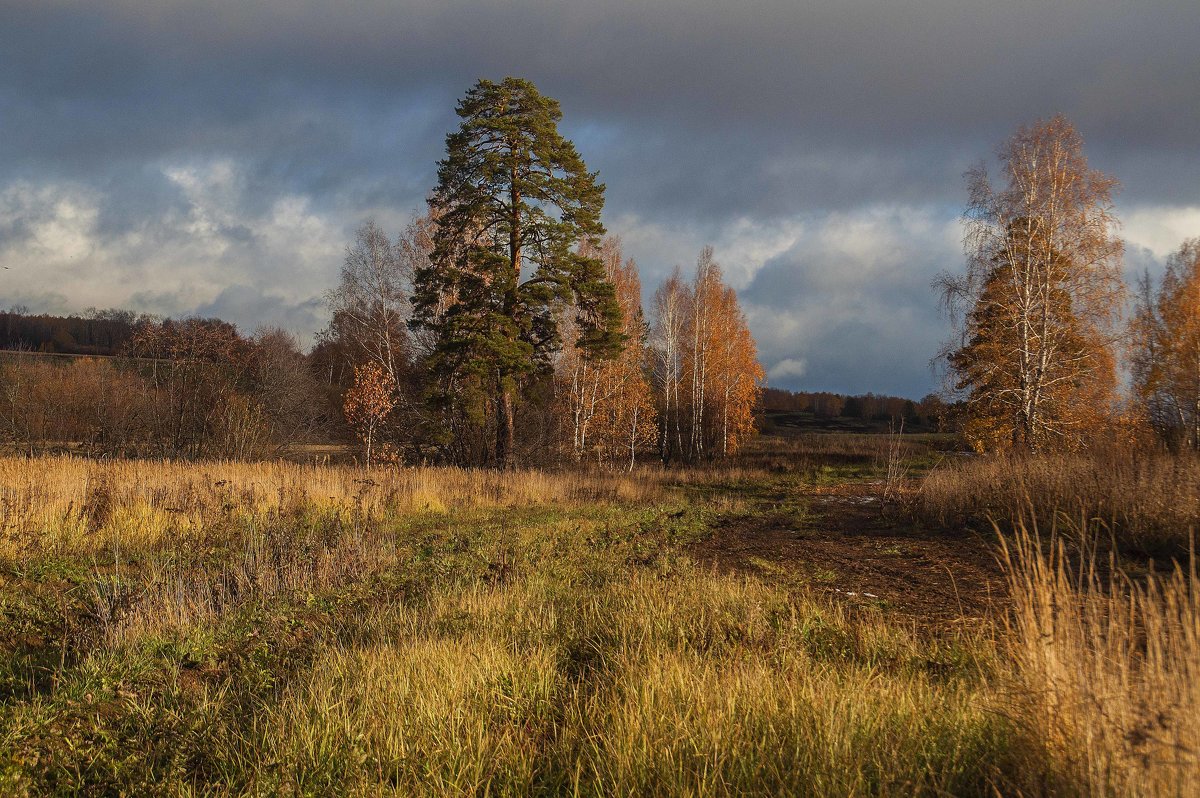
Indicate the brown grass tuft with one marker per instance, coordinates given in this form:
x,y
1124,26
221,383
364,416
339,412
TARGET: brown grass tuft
x,y
1146,502
1109,671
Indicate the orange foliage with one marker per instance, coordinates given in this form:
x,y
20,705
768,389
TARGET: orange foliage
x,y
709,377
609,406
367,404
1035,363
1166,360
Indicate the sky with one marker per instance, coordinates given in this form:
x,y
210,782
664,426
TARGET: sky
x,y
215,157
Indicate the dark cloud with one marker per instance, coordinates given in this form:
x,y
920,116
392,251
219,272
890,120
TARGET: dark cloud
x,y
184,147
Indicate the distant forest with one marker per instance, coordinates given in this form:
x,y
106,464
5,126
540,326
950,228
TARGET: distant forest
x,y
95,332
111,332
930,411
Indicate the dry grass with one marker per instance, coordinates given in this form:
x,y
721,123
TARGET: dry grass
x,y
1147,502
223,628
701,686
1109,670
80,506
266,629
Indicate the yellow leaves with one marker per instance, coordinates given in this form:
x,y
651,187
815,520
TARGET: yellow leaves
x,y
609,411
1041,292
371,397
720,363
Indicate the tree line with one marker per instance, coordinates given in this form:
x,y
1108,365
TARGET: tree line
x,y
175,388
505,325
1037,312
931,410
95,332
502,326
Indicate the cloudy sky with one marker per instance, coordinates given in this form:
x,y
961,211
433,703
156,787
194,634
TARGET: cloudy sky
x,y
215,157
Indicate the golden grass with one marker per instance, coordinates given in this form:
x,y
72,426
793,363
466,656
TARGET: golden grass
x,y
1148,502
79,506
432,716
225,628
705,685
1110,671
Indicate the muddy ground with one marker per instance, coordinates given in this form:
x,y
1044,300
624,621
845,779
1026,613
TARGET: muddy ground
x,y
861,549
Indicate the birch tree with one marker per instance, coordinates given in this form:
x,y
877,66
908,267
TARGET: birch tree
x,y
608,406
1166,349
671,302
1034,313
370,308
367,405
704,295
706,366
736,376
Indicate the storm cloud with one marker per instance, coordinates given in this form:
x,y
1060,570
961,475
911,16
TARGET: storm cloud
x,y
215,157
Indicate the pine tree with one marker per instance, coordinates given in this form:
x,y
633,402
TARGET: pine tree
x,y
513,200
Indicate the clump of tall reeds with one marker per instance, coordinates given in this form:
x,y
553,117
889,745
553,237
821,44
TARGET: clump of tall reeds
x,y
1145,501
1108,668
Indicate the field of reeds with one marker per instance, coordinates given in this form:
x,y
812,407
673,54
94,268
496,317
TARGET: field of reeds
x,y
1147,503
279,629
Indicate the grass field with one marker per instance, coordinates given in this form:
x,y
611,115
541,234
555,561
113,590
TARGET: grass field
x,y
798,623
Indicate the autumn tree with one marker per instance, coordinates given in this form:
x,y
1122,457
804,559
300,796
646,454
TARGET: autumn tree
x,y
286,389
706,366
367,404
369,309
1166,349
735,376
671,303
513,201
1033,314
608,406
199,371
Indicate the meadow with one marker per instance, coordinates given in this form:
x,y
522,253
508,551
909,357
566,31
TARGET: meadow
x,y
754,628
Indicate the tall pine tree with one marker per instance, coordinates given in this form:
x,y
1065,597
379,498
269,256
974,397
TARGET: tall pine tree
x,y
512,202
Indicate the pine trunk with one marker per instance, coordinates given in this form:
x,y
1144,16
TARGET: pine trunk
x,y
505,456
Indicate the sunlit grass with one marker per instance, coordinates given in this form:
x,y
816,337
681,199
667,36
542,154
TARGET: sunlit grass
x,y
186,629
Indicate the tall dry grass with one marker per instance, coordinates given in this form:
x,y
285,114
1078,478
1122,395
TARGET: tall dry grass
x,y
78,506
283,629
332,633
1108,670
1147,502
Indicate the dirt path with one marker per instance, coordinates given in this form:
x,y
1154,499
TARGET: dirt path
x,y
849,547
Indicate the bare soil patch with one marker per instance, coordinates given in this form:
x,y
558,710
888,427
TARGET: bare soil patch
x,y
857,550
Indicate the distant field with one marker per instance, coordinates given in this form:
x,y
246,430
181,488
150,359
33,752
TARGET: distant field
x,y
786,422
782,625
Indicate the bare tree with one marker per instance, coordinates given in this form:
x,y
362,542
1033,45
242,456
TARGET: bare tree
x,y
370,309
704,294
670,317
286,389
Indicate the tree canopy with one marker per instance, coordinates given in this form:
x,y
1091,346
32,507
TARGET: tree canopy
x,y
513,201
1035,308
